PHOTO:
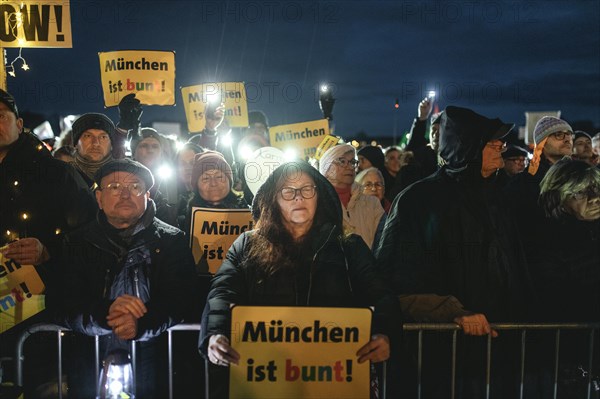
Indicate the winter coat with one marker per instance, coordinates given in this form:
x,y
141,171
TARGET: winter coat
x,y
51,193
363,214
337,271
425,156
157,266
452,234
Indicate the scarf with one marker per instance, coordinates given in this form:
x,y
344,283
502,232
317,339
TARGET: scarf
x,y
90,167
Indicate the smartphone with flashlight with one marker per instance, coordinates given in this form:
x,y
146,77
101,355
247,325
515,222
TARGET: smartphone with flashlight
x,y
213,100
431,94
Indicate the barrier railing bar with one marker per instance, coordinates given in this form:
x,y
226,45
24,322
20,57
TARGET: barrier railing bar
x,y
419,363
523,341
488,366
133,351
170,356
97,358
59,353
556,356
453,381
589,387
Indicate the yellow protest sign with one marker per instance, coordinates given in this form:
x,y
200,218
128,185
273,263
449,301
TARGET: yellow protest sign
x,y
197,98
213,232
303,137
327,143
299,352
37,23
20,289
148,74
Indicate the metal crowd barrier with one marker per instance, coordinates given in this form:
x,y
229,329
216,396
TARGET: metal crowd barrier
x,y
523,327
419,328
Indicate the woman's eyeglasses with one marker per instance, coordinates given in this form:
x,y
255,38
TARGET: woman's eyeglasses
x,y
343,162
372,186
289,193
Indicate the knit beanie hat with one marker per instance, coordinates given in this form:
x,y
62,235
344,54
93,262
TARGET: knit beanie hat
x,y
145,133
125,165
210,160
333,154
580,133
374,155
547,126
92,121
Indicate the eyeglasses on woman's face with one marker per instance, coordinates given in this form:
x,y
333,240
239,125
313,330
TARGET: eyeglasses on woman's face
x,y
343,162
307,192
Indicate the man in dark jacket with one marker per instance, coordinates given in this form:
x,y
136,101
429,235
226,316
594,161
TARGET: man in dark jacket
x,y
450,234
127,275
41,198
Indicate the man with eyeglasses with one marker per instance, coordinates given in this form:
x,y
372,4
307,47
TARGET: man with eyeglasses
x,y
363,214
126,275
553,139
515,159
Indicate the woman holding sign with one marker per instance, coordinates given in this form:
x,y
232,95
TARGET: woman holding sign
x,y
297,256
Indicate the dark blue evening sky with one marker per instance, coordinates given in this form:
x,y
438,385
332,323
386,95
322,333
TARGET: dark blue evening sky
x,y
500,58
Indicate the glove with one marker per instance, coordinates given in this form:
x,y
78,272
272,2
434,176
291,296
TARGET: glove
x,y
130,112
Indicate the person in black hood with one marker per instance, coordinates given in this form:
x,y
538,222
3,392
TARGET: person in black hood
x,y
450,234
298,256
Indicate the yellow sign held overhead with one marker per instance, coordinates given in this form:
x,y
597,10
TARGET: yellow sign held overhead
x,y
40,23
299,352
303,137
148,74
196,100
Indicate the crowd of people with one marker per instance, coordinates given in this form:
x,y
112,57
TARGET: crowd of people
x,y
463,226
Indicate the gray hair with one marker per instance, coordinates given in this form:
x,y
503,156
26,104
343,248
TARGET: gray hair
x,y
564,179
359,177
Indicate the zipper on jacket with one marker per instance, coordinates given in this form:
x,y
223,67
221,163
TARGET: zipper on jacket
x,y
312,266
136,281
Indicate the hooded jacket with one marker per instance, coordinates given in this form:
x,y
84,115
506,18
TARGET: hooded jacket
x,y
451,233
337,271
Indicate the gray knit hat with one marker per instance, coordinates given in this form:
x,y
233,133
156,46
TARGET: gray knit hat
x,y
549,125
92,121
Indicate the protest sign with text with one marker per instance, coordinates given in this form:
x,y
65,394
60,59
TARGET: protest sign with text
x,y
303,137
20,289
41,23
213,232
148,74
196,100
299,352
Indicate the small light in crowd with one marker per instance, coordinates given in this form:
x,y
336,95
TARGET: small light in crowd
x,y
25,216
227,139
39,147
7,232
25,67
164,171
212,97
246,152
324,88
57,231
16,183
290,154
374,143
355,143
179,145
431,94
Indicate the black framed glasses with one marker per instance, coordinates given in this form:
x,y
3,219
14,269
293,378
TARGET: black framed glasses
x,y
307,192
343,162
116,189
562,135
